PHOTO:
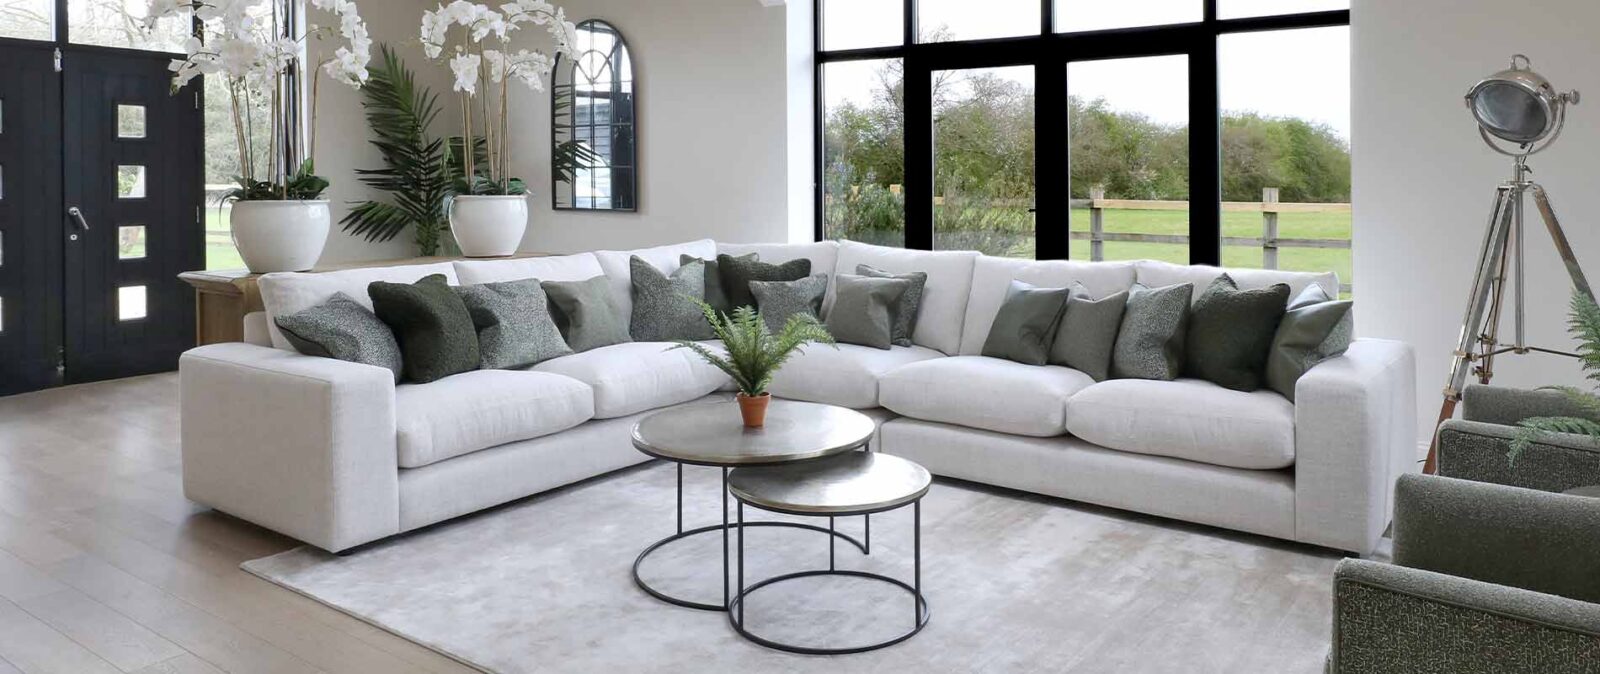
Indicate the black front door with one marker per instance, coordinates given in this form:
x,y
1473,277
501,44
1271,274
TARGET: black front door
x,y
30,222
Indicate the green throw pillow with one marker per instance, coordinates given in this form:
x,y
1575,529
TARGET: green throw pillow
x,y
431,324
905,313
343,329
739,272
714,294
864,310
663,306
1315,328
1150,340
1089,332
1026,326
585,313
778,300
515,329
1230,331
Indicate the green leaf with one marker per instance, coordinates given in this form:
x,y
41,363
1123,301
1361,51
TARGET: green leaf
x,y
753,354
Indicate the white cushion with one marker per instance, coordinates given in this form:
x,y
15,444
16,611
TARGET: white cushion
x,y
1156,274
464,413
944,298
988,393
991,276
665,258
846,376
285,293
824,255
1187,419
638,376
554,268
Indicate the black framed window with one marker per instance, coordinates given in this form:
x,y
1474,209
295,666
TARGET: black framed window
x,y
1085,128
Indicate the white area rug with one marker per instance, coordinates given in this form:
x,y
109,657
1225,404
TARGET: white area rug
x,y
1015,583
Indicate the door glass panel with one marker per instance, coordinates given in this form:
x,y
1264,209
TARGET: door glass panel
x,y
863,153
130,182
130,242
130,303
853,24
1286,137
120,23
1128,136
983,161
1079,15
952,20
1234,9
28,19
130,121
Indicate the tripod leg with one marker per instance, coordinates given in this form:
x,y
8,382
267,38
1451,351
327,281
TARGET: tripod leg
x,y
1447,410
1564,248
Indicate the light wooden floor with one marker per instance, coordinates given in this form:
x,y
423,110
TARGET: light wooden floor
x,y
105,567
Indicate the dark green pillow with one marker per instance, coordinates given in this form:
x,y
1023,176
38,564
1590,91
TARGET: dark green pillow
x,y
1089,332
905,311
585,313
1230,332
1150,339
864,309
515,329
343,329
1026,326
738,272
431,324
778,300
715,295
663,310
1315,328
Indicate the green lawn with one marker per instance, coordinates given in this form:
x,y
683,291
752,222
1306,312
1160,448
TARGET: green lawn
x,y
220,253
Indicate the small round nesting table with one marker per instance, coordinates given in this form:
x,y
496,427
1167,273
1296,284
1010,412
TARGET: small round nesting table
x,y
712,435
857,483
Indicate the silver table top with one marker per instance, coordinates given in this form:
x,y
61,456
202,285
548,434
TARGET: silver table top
x,y
848,484
711,434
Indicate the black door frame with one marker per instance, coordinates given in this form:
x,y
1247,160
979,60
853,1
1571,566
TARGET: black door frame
x,y
1049,53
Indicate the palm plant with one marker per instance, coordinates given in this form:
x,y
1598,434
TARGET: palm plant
x,y
754,354
1583,323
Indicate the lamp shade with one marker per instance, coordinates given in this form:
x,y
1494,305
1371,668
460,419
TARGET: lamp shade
x,y
1516,104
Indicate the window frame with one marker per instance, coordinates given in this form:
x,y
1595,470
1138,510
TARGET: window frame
x,y
1049,53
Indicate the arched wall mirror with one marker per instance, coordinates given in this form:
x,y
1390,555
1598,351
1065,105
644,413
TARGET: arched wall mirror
x,y
593,139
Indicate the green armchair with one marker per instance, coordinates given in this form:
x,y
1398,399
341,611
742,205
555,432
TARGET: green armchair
x,y
1492,571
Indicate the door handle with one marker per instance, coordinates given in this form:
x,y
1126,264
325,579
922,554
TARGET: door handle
x,y
77,218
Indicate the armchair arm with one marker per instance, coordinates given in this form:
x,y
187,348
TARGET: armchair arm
x,y
1389,618
301,445
1507,406
1556,462
1355,421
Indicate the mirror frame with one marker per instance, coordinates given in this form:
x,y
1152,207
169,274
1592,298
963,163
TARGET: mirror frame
x,y
633,102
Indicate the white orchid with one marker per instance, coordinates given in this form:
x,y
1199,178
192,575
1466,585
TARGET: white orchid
x,y
465,67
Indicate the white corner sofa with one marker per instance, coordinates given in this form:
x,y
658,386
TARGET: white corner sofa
x,y
335,454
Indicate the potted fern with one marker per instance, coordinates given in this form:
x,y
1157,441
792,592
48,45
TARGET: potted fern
x,y
1584,324
754,353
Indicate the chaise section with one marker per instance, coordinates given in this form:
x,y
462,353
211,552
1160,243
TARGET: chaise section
x,y
1187,419
846,376
637,376
476,410
988,393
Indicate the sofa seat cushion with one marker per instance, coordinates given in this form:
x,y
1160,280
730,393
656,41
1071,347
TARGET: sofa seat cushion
x,y
846,376
637,376
993,394
464,413
1186,419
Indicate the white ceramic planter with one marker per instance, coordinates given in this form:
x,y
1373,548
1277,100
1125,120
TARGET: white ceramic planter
x,y
489,225
280,235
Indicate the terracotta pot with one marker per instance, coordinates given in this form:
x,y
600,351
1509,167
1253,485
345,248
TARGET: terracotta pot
x,y
754,409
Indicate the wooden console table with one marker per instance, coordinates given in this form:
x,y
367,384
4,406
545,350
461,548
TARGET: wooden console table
x,y
223,297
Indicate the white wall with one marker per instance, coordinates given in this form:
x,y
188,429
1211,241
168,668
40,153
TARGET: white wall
x,y
1423,181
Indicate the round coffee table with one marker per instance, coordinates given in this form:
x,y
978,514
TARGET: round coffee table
x,y
711,434
859,483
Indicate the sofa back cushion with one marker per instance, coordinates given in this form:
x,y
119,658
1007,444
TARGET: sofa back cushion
x,y
286,293
553,268
944,296
1158,274
614,263
991,276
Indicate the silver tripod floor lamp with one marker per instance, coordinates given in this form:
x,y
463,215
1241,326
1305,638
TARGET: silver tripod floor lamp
x,y
1519,108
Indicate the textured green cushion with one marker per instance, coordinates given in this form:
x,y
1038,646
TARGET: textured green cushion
x,y
1089,332
341,328
514,325
864,309
778,300
715,295
739,272
905,311
1230,331
431,324
1150,340
663,306
586,314
1026,326
1315,328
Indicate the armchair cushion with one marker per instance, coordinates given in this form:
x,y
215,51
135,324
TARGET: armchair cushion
x,y
1556,462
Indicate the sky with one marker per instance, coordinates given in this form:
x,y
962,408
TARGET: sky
x,y
1301,73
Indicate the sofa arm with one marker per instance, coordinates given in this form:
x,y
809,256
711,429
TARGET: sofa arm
x,y
1355,419
1556,462
1389,618
298,444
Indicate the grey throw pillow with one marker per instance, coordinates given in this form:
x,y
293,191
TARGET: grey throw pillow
x,y
1026,326
778,300
714,294
739,272
341,328
663,310
1315,328
514,325
1150,340
864,310
905,311
1230,331
1089,332
431,325
585,313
